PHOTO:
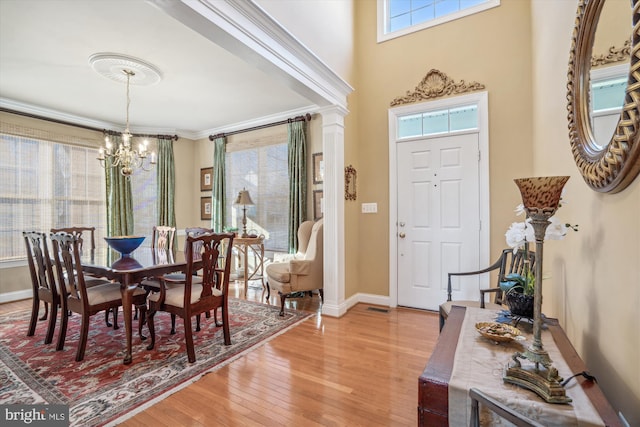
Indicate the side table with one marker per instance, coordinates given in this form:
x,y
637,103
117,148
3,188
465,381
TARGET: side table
x,y
251,246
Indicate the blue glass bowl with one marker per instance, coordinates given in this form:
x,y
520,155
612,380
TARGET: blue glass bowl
x,y
124,244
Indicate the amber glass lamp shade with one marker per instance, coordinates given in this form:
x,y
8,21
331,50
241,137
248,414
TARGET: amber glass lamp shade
x,y
541,195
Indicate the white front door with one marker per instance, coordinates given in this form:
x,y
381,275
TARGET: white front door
x,y
438,218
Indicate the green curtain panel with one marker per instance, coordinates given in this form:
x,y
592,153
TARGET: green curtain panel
x,y
297,159
166,183
119,200
217,192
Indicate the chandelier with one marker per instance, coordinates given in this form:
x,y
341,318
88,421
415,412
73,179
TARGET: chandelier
x,y
125,156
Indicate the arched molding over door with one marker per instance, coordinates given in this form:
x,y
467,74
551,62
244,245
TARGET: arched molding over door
x,y
436,84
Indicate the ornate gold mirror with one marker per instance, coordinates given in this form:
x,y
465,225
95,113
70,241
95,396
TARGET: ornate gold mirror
x,y
608,162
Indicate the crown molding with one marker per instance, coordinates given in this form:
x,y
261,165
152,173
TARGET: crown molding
x,y
311,109
73,119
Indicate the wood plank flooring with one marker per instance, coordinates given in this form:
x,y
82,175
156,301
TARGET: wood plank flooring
x,y
359,370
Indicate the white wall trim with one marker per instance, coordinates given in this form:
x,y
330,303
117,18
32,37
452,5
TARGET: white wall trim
x,y
333,187
481,99
16,295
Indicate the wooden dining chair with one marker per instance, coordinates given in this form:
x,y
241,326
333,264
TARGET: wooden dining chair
x,y
42,282
161,240
80,233
88,233
195,298
175,279
76,297
163,237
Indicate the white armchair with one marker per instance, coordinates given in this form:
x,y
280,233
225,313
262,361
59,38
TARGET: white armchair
x,y
304,271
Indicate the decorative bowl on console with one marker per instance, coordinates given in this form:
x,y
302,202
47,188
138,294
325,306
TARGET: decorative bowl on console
x,y
124,244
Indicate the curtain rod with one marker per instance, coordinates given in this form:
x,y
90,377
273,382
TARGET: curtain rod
x,y
104,131
306,117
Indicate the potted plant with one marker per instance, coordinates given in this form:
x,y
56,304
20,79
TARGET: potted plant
x,y
518,290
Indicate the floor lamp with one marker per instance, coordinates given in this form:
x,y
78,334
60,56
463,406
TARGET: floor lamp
x,y
244,199
541,197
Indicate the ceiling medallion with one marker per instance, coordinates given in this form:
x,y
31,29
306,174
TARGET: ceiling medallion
x,y
111,66
436,84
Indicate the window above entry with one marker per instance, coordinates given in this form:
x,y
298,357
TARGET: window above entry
x,y
400,17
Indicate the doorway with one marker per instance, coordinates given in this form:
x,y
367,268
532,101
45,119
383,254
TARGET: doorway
x,y
438,204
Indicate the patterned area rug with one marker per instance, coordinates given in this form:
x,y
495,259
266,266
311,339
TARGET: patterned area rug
x,y
100,390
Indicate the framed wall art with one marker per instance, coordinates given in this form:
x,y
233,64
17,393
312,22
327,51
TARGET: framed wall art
x,y
318,168
205,207
206,179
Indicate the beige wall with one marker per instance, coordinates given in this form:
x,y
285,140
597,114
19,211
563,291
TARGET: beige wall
x,y
387,70
592,285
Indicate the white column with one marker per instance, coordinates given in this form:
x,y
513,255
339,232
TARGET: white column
x,y
333,156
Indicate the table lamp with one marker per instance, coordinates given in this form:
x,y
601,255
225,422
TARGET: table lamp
x,y
540,197
244,199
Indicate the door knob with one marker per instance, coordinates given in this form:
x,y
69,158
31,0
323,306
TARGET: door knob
x,y
402,235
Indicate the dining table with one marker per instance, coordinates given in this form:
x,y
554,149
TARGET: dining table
x,y
129,271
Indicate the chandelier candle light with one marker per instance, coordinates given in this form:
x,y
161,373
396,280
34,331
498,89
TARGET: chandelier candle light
x,y
541,197
125,156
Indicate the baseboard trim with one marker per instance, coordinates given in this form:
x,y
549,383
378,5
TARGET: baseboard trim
x,y
341,309
15,296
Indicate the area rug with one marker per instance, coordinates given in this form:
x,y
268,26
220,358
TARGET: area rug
x,y
100,390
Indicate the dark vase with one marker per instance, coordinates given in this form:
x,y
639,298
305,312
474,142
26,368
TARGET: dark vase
x,y
520,304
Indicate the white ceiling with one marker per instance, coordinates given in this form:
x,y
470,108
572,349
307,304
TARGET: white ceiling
x,y
44,65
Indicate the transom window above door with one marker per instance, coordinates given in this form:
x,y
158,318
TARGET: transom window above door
x,y
449,120
399,17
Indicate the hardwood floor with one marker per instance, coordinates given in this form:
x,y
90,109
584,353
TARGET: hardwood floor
x,y
360,369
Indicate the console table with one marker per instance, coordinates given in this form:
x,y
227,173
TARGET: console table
x,y
433,384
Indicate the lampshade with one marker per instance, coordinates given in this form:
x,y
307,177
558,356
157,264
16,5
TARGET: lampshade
x,y
244,199
541,195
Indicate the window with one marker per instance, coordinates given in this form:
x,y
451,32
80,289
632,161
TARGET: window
x,y
144,191
399,17
439,121
46,185
263,171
